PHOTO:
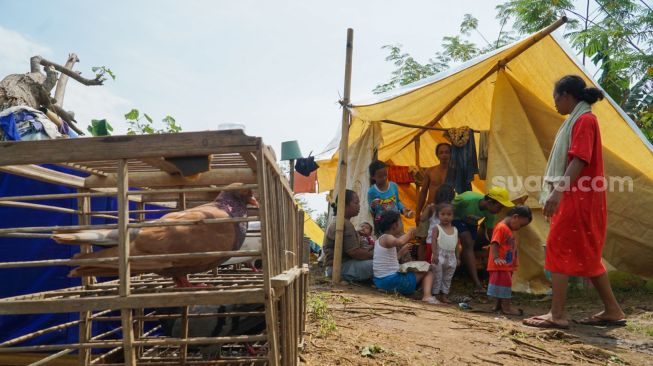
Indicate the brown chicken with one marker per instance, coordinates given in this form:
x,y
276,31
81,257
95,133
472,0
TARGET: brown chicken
x,y
171,240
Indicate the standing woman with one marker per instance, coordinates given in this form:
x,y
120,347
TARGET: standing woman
x,y
574,201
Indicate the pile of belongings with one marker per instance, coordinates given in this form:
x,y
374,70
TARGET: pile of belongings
x,y
22,123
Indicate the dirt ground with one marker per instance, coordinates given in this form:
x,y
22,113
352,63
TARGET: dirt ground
x,y
358,325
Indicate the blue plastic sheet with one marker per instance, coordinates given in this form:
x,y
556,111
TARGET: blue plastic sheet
x,y
19,281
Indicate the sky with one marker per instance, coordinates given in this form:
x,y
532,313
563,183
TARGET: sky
x,y
276,67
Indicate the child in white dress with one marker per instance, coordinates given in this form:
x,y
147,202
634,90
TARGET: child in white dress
x,y
444,242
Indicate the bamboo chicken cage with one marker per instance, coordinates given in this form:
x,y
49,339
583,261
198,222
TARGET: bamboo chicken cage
x,y
153,169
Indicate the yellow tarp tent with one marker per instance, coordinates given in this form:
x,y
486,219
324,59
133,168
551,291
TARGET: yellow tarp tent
x,y
312,230
509,93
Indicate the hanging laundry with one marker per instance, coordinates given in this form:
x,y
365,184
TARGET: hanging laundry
x,y
400,174
305,184
483,154
463,164
305,166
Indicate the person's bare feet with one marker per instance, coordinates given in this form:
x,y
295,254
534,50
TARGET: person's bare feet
x,y
444,299
546,321
511,311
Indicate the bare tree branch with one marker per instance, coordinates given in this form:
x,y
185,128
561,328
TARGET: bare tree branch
x,y
38,60
63,80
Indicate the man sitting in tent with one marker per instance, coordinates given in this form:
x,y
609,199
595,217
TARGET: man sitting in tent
x,y
469,208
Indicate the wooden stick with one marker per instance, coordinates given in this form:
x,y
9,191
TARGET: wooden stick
x,y
421,127
52,357
44,174
143,342
136,258
227,361
342,167
144,224
124,270
47,330
122,147
175,316
38,207
56,196
190,190
199,297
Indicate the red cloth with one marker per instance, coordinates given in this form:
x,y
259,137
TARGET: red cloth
x,y
504,237
400,174
500,278
575,242
305,184
429,253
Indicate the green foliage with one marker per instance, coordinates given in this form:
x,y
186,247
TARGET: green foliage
x,y
100,71
318,311
322,220
532,15
408,69
100,127
618,39
140,124
370,351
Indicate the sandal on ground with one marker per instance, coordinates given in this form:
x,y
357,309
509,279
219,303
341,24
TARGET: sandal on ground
x,y
598,321
432,300
538,322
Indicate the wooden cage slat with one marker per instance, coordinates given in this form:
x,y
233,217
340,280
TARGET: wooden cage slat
x,y
121,147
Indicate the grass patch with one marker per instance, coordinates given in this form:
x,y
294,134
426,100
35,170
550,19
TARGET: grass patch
x,y
318,310
636,327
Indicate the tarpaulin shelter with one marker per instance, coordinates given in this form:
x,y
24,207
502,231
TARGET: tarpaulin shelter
x,y
312,230
508,92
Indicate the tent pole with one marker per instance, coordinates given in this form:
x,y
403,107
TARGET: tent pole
x,y
501,64
342,169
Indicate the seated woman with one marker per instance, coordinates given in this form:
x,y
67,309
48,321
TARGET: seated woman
x,y
356,261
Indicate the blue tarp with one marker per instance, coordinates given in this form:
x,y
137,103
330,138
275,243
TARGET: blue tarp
x,y
19,281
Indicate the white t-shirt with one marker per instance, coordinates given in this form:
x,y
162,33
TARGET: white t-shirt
x,y
385,261
446,241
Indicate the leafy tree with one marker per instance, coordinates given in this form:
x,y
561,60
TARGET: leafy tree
x,y
144,124
100,127
618,39
322,220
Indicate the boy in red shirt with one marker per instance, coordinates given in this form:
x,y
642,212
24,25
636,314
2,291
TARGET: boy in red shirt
x,y
502,261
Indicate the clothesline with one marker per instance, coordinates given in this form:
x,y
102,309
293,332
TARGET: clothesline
x,y
403,124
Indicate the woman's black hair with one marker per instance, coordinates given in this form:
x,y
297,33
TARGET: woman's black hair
x,y
387,219
349,196
521,211
445,194
437,147
374,166
575,86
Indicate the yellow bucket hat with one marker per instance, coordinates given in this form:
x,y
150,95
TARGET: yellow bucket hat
x,y
500,195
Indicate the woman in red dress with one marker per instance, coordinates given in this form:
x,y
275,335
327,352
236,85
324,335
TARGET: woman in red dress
x,y
575,203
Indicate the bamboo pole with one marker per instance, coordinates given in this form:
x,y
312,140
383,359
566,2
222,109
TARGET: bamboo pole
x,y
342,168
267,241
140,312
85,326
123,262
